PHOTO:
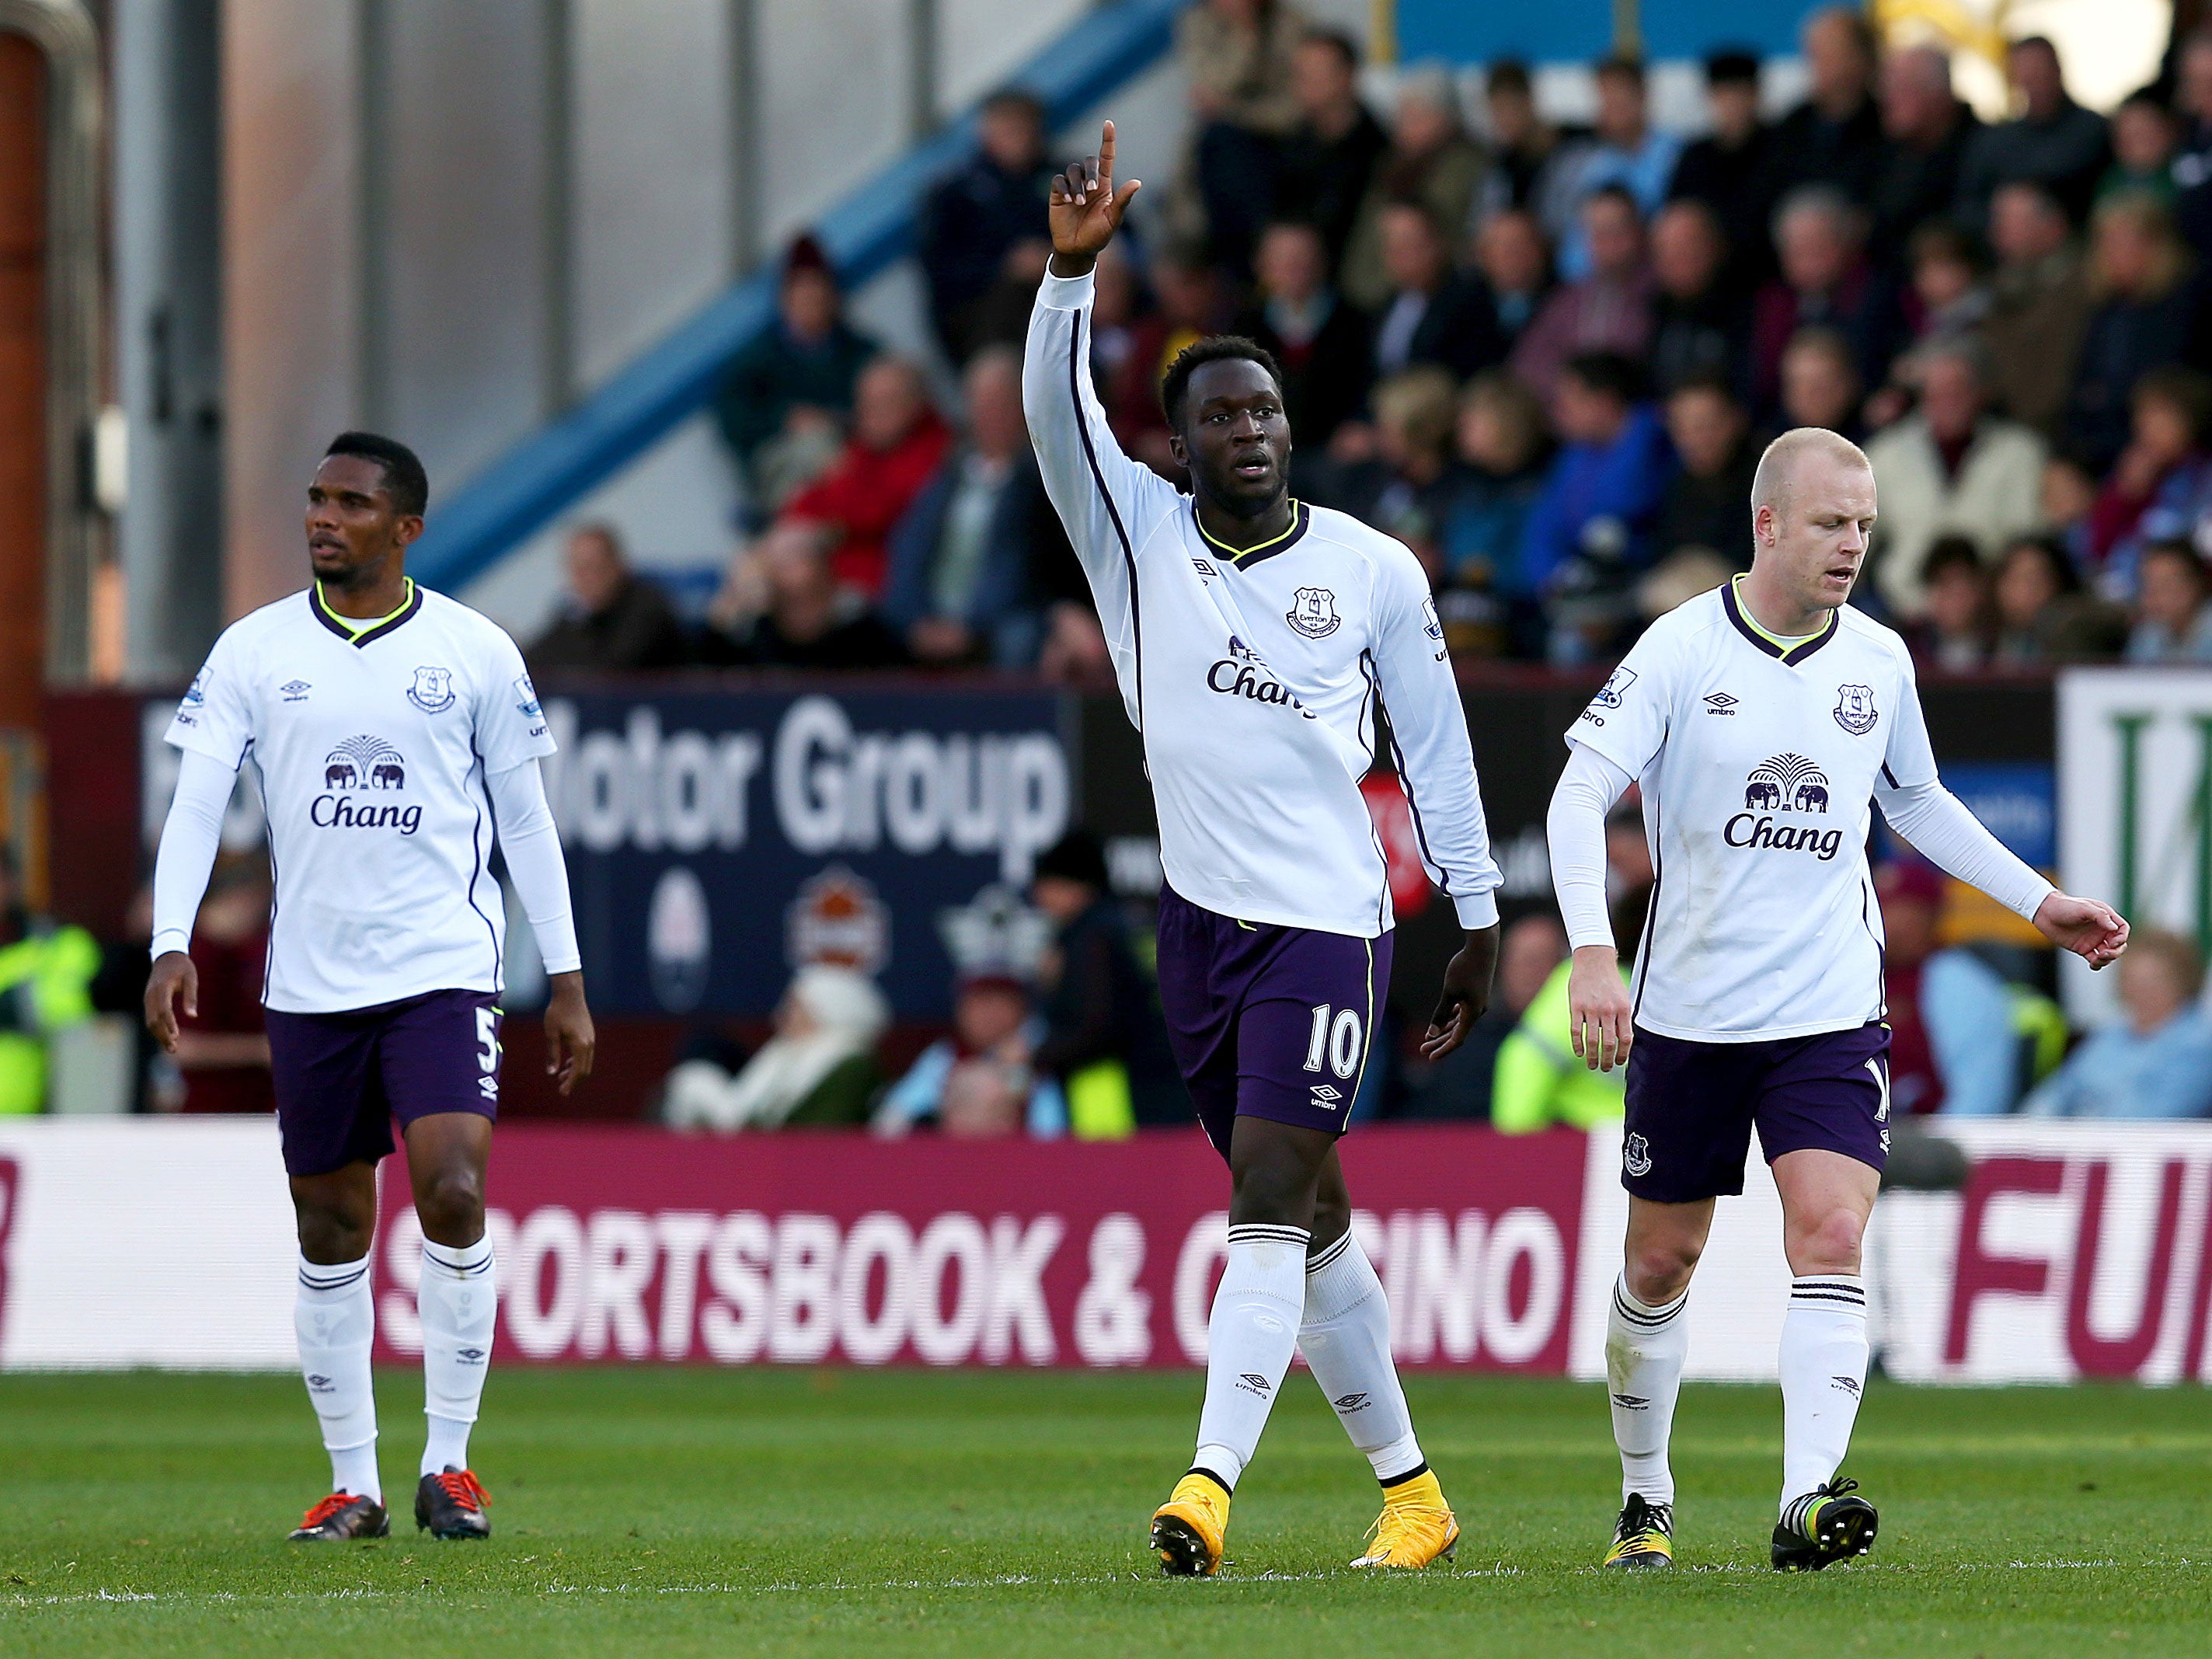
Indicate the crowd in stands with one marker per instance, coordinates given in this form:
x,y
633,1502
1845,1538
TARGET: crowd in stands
x,y
1543,356
1546,356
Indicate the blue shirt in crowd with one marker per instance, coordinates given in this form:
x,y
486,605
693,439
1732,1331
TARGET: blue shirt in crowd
x,y
2116,1074
1599,500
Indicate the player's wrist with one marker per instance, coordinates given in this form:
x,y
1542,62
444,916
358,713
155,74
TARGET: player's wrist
x,y
1071,266
1601,955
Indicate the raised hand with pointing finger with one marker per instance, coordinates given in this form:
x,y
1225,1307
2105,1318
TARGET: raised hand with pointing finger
x,y
1087,208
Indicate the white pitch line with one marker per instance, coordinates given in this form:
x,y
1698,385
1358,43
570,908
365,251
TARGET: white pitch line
x,y
1004,1581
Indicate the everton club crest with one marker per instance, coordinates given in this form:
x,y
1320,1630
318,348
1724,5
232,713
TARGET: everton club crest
x,y
1636,1156
1315,613
433,690
1855,711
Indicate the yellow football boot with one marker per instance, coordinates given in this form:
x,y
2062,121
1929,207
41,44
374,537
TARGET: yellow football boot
x,y
1416,1526
1188,1529
1645,1537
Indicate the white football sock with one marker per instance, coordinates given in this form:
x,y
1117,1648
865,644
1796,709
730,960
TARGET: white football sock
x,y
1644,1348
1346,1338
335,1317
1823,1365
459,1300
1249,1341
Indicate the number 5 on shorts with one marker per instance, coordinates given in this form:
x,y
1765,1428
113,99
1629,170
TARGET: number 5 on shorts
x,y
1339,1039
488,1056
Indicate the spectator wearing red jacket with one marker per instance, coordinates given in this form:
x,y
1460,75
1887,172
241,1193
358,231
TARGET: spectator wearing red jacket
x,y
897,442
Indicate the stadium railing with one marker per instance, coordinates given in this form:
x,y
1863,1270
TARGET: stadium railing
x,y
872,227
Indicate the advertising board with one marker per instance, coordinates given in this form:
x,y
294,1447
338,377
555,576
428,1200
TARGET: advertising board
x,y
2074,1251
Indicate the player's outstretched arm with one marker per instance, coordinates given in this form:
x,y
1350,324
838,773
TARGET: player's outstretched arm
x,y
1110,503
1944,832
2091,929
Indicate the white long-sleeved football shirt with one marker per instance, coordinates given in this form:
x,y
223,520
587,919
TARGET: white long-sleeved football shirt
x,y
375,746
1255,677
1761,760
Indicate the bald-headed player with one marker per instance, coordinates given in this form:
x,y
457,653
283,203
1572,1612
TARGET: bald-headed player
x,y
1762,720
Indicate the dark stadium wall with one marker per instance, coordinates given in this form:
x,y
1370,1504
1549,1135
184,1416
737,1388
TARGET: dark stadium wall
x,y
1995,737
22,380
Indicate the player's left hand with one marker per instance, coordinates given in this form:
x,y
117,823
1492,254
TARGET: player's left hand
x,y
2091,929
1465,996
1085,208
570,1042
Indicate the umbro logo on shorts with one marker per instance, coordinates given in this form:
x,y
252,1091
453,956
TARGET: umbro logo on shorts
x,y
1323,1094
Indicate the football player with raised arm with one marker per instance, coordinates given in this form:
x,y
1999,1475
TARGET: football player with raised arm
x,y
1762,720
396,735
1255,638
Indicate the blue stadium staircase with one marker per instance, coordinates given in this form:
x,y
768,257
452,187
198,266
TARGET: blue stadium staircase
x,y
872,227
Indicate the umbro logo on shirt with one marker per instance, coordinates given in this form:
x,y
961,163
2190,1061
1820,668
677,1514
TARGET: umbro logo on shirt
x,y
1205,571
1719,703
295,691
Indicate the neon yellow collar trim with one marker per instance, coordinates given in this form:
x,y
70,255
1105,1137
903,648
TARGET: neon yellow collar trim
x,y
1787,642
357,626
1236,556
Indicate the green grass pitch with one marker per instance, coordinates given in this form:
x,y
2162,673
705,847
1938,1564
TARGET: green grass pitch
x,y
668,1512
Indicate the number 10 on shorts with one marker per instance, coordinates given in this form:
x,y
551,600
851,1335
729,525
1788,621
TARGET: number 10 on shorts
x,y
1335,1039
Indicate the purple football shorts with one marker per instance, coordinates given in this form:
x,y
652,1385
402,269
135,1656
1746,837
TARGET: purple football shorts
x,y
341,1079
1691,1107
1268,1021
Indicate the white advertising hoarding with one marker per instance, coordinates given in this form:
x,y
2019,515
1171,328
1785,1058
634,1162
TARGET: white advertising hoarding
x,y
2135,807
2074,1250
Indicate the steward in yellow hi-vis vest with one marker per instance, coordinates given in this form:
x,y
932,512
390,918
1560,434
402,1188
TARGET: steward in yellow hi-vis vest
x,y
45,983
